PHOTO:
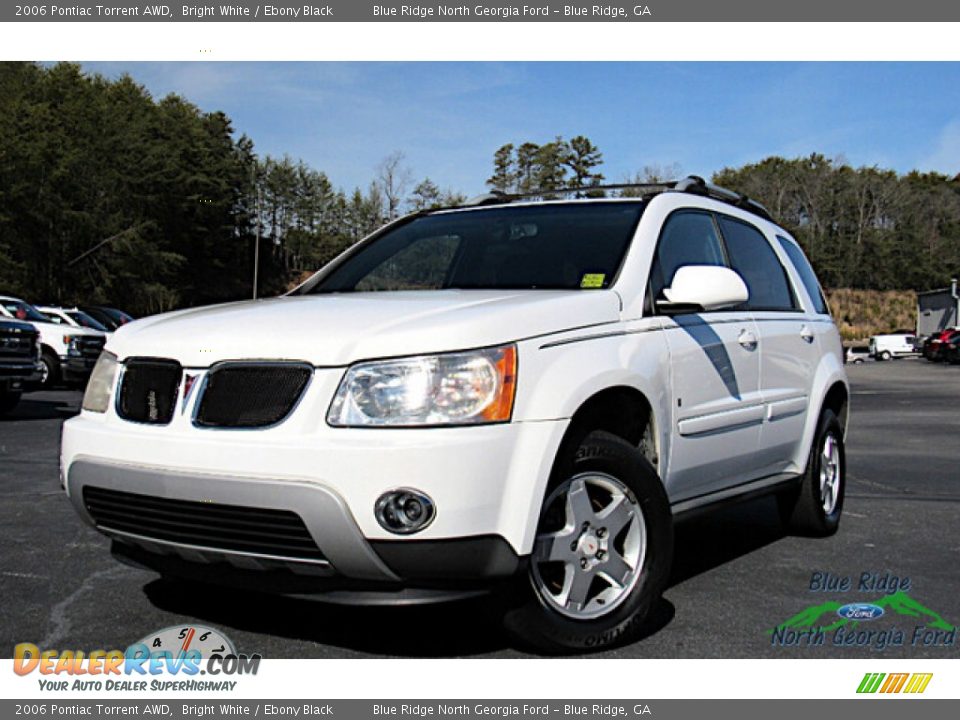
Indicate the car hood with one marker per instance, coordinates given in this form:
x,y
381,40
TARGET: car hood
x,y
336,330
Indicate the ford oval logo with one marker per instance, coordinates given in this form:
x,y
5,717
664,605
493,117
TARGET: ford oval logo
x,y
860,611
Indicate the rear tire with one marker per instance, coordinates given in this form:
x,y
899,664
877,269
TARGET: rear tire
x,y
814,508
602,555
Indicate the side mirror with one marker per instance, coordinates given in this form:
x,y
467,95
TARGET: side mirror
x,y
699,288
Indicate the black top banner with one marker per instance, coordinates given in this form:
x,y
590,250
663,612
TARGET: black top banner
x,y
489,11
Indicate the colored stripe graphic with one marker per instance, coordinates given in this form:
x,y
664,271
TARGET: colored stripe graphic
x,y
918,682
870,682
894,683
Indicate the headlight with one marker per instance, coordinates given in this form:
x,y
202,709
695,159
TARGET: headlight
x,y
100,386
73,344
467,388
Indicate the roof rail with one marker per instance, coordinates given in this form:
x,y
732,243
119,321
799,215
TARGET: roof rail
x,y
495,197
698,186
692,184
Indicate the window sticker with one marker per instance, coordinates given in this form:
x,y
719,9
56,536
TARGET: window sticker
x,y
592,280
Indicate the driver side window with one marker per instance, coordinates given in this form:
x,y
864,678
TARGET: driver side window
x,y
687,238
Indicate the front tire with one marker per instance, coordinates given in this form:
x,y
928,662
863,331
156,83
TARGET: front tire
x,y
815,507
885,355
602,554
50,373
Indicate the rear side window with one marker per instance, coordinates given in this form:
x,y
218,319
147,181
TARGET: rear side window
x,y
688,238
807,276
756,262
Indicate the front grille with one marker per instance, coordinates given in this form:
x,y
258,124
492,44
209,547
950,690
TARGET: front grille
x,y
259,531
148,392
251,395
90,346
17,344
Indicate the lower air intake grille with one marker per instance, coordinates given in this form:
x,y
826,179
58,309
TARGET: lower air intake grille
x,y
259,531
251,395
148,393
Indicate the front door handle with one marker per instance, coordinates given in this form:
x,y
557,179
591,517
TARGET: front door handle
x,y
807,334
747,340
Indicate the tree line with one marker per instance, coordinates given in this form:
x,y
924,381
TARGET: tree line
x,y
864,228
110,195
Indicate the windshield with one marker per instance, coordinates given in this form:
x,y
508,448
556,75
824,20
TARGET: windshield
x,y
572,246
86,321
23,311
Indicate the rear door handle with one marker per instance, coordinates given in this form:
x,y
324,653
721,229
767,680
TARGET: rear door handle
x,y
747,340
807,334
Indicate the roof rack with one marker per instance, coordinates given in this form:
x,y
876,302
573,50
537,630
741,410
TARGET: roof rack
x,y
691,184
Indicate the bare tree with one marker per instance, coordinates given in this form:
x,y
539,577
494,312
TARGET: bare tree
x,y
651,174
393,179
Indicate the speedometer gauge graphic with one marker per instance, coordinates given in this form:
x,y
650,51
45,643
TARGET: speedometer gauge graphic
x,y
177,640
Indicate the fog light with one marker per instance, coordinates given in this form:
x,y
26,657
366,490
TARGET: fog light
x,y
404,511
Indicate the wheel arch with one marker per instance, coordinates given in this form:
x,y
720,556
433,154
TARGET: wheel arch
x,y
837,399
622,410
830,391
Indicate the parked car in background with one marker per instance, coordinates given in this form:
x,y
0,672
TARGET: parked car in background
x,y
73,317
932,346
19,361
109,317
886,347
950,348
856,354
66,353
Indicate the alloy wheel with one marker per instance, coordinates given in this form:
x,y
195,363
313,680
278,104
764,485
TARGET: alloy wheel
x,y
590,547
830,473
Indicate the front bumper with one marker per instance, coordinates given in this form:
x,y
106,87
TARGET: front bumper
x,y
76,368
487,483
19,373
351,564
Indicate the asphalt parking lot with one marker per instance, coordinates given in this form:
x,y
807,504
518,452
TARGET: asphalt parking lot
x,y
736,577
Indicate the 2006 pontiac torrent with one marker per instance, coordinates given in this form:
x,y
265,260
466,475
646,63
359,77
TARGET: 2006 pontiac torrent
x,y
513,395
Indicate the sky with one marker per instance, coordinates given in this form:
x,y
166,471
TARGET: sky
x,y
448,118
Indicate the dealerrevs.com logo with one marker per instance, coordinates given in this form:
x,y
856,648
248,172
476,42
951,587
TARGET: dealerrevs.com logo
x,y
182,652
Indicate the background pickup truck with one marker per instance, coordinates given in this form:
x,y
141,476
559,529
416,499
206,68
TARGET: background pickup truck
x,y
19,361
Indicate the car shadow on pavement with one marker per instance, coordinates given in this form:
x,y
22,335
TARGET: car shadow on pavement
x,y
455,629
30,409
709,541
462,628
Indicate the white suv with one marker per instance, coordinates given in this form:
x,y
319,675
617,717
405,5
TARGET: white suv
x,y
520,396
